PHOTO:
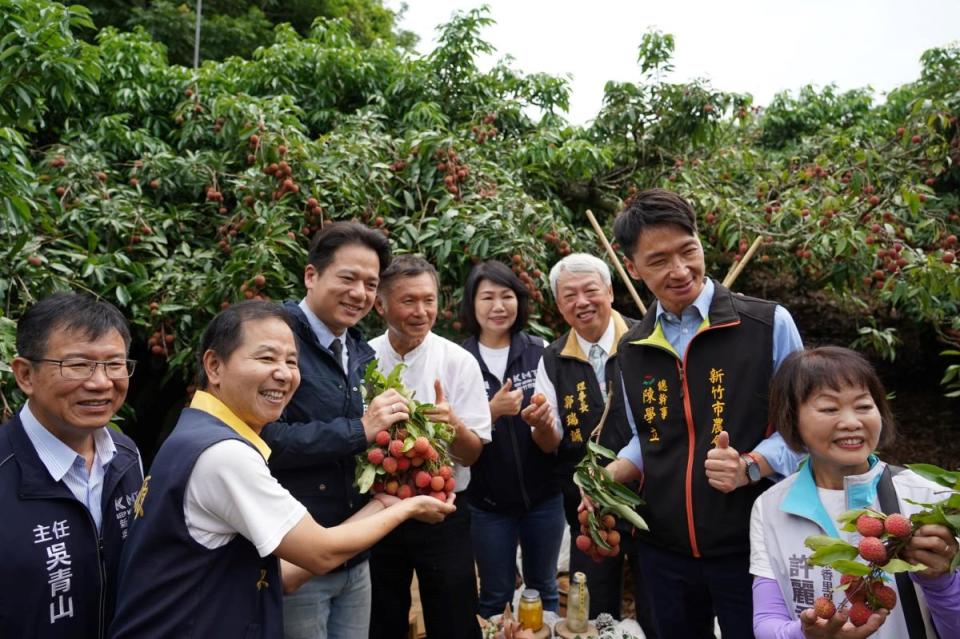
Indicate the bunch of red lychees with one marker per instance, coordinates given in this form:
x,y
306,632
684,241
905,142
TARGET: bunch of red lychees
x,y
884,536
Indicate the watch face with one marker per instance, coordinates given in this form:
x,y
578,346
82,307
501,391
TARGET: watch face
x,y
753,469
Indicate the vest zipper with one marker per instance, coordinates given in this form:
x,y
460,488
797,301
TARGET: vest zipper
x,y
517,461
103,580
691,436
691,433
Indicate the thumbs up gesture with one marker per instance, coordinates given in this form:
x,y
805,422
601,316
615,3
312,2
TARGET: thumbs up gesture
x,y
441,411
505,401
725,470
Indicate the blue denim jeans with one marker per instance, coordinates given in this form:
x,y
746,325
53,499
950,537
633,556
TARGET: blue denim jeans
x,y
334,606
495,535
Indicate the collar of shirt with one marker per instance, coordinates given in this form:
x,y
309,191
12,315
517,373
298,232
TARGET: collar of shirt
x,y
700,305
410,355
605,341
57,456
211,405
324,335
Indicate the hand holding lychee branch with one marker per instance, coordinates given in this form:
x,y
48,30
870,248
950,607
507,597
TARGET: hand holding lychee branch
x,y
884,539
411,455
598,537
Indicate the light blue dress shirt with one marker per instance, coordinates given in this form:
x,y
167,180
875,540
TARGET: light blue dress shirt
x,y
324,335
66,465
680,330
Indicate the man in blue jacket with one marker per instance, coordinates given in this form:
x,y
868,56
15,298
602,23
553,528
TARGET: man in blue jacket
x,y
67,483
326,423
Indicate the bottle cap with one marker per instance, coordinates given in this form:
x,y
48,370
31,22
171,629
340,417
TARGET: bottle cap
x,y
530,595
579,577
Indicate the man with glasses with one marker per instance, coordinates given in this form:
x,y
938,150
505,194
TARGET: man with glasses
x,y
67,483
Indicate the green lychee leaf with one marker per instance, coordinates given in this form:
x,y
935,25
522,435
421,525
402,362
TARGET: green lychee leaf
x,y
601,450
366,478
936,474
899,565
827,555
814,542
847,567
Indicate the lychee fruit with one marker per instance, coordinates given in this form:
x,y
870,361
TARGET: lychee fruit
x,y
392,487
584,543
396,448
583,517
437,483
422,479
613,538
898,526
439,494
403,463
375,456
873,550
421,445
390,465
869,526
824,607
608,521
860,613
446,472
449,485
885,597
405,492
382,438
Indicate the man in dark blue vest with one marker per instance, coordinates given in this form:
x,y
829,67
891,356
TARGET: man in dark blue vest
x,y
211,521
694,376
326,424
67,481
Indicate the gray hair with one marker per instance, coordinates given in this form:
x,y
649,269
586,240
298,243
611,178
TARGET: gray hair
x,y
579,263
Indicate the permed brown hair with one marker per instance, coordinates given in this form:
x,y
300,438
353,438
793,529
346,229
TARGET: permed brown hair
x,y
804,372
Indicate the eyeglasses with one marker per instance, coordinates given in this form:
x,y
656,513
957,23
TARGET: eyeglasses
x,y
77,368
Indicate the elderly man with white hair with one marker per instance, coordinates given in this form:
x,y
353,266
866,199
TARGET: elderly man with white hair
x,y
576,373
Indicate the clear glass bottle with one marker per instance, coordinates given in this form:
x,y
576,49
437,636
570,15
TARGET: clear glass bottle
x,y
578,604
530,613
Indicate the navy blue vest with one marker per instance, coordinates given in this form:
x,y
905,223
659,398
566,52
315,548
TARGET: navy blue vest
x,y
59,575
512,474
171,586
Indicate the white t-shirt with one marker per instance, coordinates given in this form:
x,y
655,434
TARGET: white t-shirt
x,y
495,359
459,374
231,491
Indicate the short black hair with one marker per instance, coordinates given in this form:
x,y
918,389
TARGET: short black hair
x,y
73,312
651,207
804,372
333,236
498,273
224,333
406,266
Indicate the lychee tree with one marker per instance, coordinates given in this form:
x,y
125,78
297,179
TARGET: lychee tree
x,y
173,192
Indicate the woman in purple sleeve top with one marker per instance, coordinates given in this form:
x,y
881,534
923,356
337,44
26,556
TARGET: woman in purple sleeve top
x,y
830,403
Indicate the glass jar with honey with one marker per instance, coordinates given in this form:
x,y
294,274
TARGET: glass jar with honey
x,y
530,612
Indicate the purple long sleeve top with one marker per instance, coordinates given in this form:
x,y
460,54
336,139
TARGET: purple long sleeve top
x,y
773,620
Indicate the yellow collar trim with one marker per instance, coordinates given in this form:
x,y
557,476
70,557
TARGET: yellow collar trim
x,y
211,405
572,347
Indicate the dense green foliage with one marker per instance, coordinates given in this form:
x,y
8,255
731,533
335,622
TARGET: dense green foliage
x,y
238,27
170,191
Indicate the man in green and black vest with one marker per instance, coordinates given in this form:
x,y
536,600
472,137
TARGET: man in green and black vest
x,y
694,376
576,374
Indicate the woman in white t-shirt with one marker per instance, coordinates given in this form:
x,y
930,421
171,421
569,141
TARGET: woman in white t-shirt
x,y
513,495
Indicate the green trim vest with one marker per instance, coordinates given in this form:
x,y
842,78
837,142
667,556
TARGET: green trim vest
x,y
681,402
580,404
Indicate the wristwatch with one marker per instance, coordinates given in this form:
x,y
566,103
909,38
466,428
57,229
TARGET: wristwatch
x,y
752,467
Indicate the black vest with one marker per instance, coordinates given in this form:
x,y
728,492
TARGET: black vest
x,y
679,406
580,404
49,543
171,586
512,474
